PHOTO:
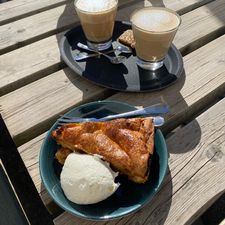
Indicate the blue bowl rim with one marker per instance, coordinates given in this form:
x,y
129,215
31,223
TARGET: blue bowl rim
x,y
75,212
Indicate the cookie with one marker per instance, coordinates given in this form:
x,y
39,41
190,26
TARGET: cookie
x,y
127,38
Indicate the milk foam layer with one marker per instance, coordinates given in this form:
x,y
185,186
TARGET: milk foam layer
x,y
157,20
95,5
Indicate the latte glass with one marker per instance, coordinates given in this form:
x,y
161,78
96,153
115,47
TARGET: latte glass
x,y
97,19
154,29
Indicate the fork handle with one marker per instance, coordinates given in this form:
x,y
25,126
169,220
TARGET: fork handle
x,y
151,110
158,121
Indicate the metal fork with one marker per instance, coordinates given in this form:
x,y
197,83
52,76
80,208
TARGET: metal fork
x,y
150,110
158,121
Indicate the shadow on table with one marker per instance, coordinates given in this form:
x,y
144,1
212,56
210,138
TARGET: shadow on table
x,y
157,210
180,118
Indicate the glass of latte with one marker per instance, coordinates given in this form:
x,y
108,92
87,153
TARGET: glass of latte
x,y
154,29
97,19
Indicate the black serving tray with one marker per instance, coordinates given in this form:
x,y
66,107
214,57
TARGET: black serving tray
x,y
123,77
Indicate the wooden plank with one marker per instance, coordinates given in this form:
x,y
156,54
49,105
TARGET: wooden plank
x,y
188,187
24,104
201,26
180,6
39,59
15,10
36,27
29,152
43,57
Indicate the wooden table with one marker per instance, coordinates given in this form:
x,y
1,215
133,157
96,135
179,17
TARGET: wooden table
x,y
36,87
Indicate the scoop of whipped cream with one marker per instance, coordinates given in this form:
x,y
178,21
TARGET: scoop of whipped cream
x,y
86,179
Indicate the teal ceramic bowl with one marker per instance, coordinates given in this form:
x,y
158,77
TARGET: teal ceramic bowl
x,y
129,197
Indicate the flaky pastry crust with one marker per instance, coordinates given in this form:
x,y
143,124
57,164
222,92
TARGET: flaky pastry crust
x,y
127,144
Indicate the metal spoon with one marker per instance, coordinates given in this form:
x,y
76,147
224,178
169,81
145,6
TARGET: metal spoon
x,y
123,49
84,55
113,59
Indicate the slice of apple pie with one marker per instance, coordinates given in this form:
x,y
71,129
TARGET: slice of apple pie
x,y
127,144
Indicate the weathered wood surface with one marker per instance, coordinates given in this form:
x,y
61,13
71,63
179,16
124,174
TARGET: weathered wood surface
x,y
30,154
43,57
39,59
28,102
204,24
36,27
41,25
14,10
41,103
204,82
194,169
180,6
